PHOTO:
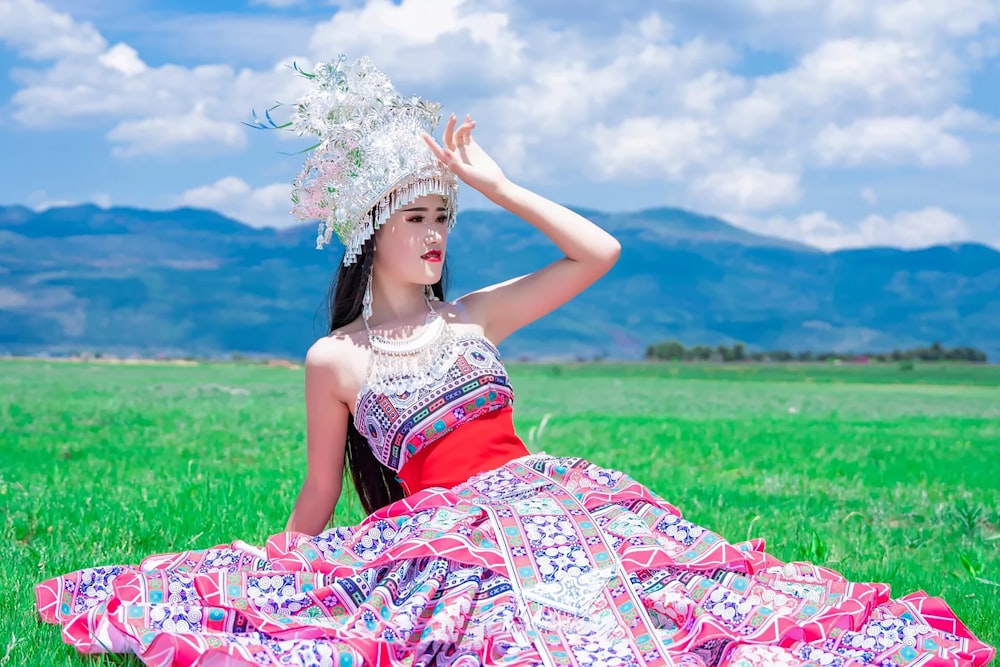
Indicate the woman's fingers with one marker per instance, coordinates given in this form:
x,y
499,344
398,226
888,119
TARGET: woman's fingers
x,y
433,145
449,133
453,139
463,137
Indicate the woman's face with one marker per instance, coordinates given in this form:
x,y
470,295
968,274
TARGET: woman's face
x,y
410,246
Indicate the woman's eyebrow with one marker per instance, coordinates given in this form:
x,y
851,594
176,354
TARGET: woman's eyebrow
x,y
422,208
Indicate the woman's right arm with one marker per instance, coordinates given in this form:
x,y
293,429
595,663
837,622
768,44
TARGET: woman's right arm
x,y
326,437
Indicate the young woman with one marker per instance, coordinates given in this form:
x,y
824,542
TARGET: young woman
x,y
474,552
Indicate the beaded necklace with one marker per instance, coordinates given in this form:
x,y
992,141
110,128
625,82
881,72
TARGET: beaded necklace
x,y
404,365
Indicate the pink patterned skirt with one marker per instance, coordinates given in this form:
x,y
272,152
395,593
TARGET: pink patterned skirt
x,y
544,561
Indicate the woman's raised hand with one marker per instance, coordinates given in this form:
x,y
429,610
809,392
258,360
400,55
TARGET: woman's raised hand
x,y
465,157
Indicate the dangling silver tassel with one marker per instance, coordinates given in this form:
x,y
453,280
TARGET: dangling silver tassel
x,y
429,293
366,302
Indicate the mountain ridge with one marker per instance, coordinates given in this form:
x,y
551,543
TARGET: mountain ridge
x,y
193,281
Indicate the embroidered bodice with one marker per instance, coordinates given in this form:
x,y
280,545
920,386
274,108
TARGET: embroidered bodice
x,y
399,426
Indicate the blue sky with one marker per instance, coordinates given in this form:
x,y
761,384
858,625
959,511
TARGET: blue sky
x,y
839,123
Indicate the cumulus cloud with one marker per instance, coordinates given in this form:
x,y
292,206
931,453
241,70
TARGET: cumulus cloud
x,y
36,31
151,110
768,7
748,189
921,19
742,144
123,58
907,229
860,76
423,41
656,148
611,89
890,140
637,97
917,18
705,93
266,206
122,87
193,131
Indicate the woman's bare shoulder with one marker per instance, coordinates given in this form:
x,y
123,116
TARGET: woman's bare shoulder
x,y
334,351
337,360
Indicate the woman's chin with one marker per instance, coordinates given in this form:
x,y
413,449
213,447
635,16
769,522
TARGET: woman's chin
x,y
431,275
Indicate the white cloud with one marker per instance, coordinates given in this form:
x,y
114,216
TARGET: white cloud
x,y
869,195
751,116
981,51
956,18
420,41
628,98
922,19
512,153
562,95
123,58
957,118
573,99
704,94
768,7
163,109
908,229
36,31
152,110
266,206
859,76
655,148
902,140
890,140
77,88
211,35
748,188
741,142
160,134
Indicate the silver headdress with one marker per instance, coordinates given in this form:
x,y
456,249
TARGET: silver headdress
x,y
369,160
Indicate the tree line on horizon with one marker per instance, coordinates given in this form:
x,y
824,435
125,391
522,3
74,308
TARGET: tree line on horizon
x,y
673,350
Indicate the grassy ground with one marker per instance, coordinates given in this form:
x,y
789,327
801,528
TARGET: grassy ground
x,y
882,473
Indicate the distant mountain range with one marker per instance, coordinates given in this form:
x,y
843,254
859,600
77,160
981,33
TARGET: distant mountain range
x,y
193,282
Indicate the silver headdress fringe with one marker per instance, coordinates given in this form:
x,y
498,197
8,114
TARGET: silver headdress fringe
x,y
369,159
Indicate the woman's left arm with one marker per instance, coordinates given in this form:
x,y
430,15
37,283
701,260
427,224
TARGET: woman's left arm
x,y
590,252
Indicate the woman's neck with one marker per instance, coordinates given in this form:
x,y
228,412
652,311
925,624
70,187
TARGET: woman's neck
x,y
401,304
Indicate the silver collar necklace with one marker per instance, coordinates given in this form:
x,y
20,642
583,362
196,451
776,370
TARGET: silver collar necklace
x,y
403,365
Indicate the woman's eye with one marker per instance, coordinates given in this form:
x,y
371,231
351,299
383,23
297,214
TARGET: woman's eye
x,y
417,218
442,219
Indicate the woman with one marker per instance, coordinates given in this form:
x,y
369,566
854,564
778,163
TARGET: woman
x,y
474,551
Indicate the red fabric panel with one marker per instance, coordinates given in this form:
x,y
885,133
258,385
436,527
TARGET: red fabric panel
x,y
482,444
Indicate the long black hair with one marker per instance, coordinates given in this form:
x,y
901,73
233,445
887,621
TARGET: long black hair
x,y
375,483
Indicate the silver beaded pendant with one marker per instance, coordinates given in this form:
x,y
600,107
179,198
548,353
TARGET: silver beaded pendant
x,y
405,365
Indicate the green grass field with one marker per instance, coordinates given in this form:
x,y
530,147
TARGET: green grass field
x,y
881,473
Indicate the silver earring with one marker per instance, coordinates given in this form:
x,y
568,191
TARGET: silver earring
x,y
366,302
429,293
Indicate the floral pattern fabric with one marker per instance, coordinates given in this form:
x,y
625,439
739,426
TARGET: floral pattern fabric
x,y
543,561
